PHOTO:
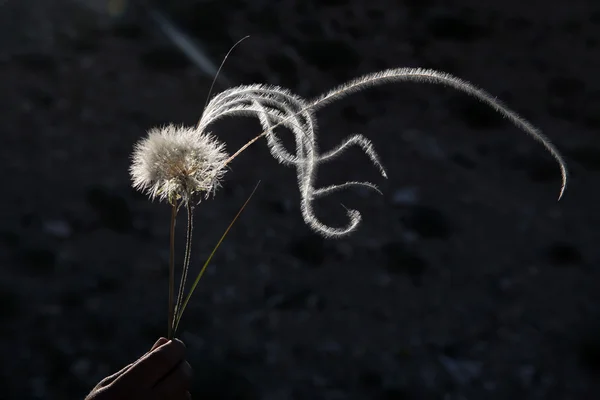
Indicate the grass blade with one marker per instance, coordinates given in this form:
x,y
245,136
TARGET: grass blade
x,y
170,331
189,295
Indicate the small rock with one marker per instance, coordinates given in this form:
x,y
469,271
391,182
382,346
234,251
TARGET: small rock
x,y
58,228
462,371
405,197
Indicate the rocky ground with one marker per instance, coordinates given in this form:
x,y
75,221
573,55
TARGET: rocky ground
x,y
466,280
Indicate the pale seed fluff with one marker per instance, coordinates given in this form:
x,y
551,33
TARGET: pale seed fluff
x,y
178,163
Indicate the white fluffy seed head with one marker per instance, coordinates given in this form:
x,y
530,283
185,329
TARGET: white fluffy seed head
x,y
178,163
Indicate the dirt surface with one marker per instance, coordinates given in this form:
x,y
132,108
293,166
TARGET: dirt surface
x,y
466,279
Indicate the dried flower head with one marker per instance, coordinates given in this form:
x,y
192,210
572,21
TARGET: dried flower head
x,y
178,163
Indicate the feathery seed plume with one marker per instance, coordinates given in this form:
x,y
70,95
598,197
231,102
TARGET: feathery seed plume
x,y
178,163
278,107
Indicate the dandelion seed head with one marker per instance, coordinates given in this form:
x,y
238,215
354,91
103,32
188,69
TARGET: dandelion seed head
x,y
178,163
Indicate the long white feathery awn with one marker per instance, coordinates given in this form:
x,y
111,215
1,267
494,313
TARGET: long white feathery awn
x,y
275,106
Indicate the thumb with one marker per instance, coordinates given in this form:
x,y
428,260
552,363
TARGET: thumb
x,y
158,343
110,379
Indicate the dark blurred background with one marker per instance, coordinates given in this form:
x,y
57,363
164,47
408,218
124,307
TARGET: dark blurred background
x,y
466,279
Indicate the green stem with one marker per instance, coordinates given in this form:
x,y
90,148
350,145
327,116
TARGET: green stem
x,y
187,256
189,295
170,331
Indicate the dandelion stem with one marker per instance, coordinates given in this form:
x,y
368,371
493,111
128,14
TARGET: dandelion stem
x,y
186,258
172,270
214,250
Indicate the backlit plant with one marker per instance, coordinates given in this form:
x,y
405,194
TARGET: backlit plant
x,y
185,165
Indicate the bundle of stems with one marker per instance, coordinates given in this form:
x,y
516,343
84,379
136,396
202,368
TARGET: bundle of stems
x,y
176,309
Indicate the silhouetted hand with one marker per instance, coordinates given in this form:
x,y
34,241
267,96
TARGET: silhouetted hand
x,y
162,373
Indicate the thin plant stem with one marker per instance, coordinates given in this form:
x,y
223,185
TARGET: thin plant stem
x,y
187,256
172,270
244,147
212,85
201,273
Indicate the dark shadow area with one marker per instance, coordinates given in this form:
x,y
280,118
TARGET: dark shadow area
x,y
465,280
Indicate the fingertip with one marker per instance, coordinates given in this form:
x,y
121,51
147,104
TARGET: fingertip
x,y
159,343
181,342
157,363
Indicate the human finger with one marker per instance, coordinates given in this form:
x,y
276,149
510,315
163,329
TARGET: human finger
x,y
156,364
175,384
159,343
109,379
